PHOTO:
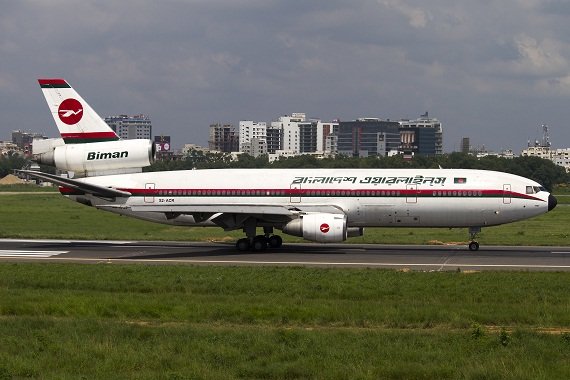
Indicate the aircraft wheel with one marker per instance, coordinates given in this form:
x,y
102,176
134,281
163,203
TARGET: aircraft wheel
x,y
259,243
473,246
275,241
243,244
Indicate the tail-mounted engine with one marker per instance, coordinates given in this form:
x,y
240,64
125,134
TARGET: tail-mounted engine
x,y
96,158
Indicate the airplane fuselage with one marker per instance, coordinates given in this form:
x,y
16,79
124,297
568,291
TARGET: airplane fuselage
x,y
368,197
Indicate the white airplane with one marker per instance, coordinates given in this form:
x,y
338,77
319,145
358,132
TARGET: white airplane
x,y
320,205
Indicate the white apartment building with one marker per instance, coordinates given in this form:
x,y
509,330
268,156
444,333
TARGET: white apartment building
x,y
131,127
291,133
560,157
287,136
250,130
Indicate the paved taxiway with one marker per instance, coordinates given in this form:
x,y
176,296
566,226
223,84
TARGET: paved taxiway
x,y
339,255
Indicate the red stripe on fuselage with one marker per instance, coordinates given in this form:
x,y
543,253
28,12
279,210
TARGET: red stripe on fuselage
x,y
331,193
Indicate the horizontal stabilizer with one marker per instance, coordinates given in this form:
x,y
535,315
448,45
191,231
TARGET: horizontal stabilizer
x,y
100,191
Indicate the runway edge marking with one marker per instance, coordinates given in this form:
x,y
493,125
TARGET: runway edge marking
x,y
32,254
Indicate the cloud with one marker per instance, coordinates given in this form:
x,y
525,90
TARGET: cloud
x,y
417,17
539,57
190,63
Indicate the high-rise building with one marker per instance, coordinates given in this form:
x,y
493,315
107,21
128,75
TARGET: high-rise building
x,y
307,137
274,139
417,140
325,131
295,134
23,140
428,133
223,138
131,127
465,145
290,133
250,130
368,137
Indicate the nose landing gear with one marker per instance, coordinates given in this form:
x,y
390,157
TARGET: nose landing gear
x,y
473,246
473,231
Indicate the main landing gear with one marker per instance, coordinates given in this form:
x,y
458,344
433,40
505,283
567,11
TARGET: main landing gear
x,y
259,242
473,231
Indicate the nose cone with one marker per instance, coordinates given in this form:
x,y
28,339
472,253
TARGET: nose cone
x,y
552,202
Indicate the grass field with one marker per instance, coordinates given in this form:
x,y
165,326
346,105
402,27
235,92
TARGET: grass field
x,y
52,216
68,321
183,322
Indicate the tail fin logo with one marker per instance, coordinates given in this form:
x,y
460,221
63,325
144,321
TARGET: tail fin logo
x,y
70,111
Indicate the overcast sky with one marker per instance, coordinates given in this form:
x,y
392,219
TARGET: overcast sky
x,y
492,70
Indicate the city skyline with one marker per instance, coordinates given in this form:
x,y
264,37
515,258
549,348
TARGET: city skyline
x,y
493,71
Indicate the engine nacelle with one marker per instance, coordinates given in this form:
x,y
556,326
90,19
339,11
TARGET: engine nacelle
x,y
99,157
321,228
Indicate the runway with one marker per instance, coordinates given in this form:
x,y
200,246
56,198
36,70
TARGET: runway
x,y
412,257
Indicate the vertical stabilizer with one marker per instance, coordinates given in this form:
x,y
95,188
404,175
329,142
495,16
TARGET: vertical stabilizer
x,y
76,120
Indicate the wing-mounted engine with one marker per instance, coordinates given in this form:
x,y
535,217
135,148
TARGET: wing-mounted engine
x,y
321,227
98,158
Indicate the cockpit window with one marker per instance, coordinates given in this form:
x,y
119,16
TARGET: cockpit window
x,y
534,189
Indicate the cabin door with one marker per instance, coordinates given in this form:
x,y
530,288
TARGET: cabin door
x,y
295,193
507,194
149,193
412,193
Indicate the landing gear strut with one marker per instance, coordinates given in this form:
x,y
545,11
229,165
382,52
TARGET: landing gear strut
x,y
473,231
258,242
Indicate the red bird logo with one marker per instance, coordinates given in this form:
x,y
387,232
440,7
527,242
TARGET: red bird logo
x,y
70,111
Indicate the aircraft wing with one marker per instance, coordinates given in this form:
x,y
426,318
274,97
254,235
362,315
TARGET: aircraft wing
x,y
100,191
233,216
270,209
217,208
257,209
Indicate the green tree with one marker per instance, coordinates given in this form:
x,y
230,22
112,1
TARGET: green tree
x,y
10,162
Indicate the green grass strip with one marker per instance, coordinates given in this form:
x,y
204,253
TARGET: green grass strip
x,y
53,216
70,321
